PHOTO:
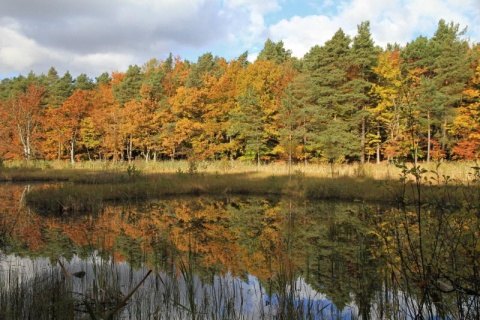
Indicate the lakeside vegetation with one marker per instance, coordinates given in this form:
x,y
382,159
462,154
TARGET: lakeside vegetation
x,y
84,187
399,239
419,259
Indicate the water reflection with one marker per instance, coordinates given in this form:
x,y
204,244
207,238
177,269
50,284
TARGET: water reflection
x,y
212,258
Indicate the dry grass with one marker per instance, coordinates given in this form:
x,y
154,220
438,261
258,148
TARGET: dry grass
x,y
61,170
87,185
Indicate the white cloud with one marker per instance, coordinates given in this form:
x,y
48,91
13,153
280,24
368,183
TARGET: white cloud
x,y
300,34
132,31
249,29
101,61
16,50
93,36
391,21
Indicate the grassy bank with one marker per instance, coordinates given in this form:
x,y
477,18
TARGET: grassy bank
x,y
85,186
62,170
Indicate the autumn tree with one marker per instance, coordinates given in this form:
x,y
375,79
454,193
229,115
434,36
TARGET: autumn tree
x,y
70,117
221,99
105,117
386,113
25,115
260,89
176,73
466,125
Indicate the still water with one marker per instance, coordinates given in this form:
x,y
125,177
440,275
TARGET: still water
x,y
235,257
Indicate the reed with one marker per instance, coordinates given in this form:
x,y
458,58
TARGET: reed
x,y
181,293
427,229
86,191
60,170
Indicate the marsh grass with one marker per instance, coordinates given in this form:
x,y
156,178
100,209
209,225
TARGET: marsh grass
x,y
429,227
86,191
107,290
61,170
33,291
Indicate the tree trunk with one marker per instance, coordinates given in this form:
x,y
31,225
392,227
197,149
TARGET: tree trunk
x,y
130,147
25,139
362,157
147,155
378,145
290,155
429,134
72,151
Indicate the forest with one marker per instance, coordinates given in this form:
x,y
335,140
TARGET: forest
x,y
347,100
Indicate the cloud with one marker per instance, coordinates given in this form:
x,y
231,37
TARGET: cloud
x,y
107,25
300,34
399,21
94,36
16,50
139,29
248,29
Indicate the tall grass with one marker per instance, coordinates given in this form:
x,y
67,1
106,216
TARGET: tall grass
x,y
431,243
61,170
88,193
38,289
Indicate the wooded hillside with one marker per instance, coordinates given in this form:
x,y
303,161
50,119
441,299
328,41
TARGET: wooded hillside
x,y
347,100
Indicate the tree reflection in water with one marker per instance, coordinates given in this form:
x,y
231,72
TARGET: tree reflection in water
x,y
241,258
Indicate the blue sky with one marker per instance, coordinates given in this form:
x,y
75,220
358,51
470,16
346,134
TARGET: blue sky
x,y
94,36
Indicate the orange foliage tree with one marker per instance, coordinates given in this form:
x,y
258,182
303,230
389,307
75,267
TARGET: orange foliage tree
x,y
466,125
69,118
24,115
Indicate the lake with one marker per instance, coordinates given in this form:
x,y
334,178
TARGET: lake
x,y
236,257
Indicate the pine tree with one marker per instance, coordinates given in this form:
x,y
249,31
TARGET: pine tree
x,y
83,82
293,116
129,87
247,123
451,72
333,128
362,59
274,52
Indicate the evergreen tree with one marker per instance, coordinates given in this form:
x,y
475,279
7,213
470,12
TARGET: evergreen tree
x,y
243,59
333,125
104,78
451,72
417,59
207,64
435,73
52,77
59,89
247,124
83,82
129,87
362,59
294,113
274,52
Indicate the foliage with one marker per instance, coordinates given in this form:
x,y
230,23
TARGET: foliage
x,y
424,232
346,100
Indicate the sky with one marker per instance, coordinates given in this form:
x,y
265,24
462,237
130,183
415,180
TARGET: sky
x,y
96,36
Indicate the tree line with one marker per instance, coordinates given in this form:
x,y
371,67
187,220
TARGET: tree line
x,y
347,100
